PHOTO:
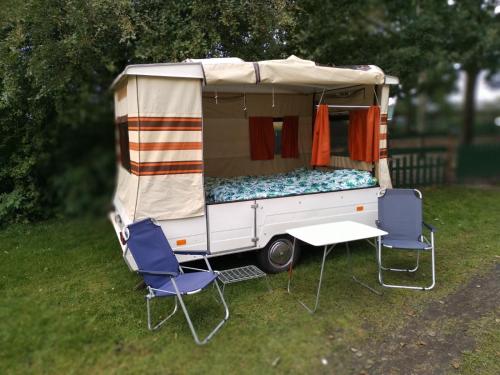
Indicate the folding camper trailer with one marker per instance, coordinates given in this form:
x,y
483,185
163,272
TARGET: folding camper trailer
x,y
185,129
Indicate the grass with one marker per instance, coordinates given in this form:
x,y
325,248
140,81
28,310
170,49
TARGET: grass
x,y
484,359
68,304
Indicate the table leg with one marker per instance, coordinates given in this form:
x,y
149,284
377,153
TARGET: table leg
x,y
319,284
326,251
290,269
349,260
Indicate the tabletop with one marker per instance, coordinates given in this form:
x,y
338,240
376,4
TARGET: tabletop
x,y
331,233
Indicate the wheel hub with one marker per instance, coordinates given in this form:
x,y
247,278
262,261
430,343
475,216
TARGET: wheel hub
x,y
280,252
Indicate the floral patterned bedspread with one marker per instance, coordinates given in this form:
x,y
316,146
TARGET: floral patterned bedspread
x,y
299,181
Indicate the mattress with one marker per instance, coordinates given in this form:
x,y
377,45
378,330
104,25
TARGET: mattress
x,y
299,181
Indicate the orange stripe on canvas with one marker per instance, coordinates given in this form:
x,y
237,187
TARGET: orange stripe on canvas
x,y
166,167
165,146
156,173
157,128
165,119
166,163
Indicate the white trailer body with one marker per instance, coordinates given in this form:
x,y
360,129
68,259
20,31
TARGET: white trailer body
x,y
249,225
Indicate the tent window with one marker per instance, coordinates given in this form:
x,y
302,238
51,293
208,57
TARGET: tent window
x,y
278,130
339,126
270,136
124,145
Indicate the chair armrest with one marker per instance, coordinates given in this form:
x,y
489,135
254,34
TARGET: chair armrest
x,y
193,268
430,227
165,273
191,252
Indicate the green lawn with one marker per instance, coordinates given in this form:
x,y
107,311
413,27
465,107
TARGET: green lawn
x,y
67,303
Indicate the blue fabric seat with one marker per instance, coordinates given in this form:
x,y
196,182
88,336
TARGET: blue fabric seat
x,y
405,244
400,215
186,283
164,277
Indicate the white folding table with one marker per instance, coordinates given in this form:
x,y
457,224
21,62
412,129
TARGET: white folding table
x,y
328,235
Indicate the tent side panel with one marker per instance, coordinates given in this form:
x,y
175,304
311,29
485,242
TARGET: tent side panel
x,y
126,183
382,167
121,110
166,146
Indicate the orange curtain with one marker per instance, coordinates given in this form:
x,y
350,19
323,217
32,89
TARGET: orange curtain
x,y
364,134
321,138
290,137
261,138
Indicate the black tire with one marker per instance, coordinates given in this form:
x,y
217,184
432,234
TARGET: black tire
x,y
276,256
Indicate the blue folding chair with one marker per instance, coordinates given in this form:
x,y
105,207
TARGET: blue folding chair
x,y
164,276
400,214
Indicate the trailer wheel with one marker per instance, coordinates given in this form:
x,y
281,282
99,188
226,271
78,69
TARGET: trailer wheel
x,y
277,255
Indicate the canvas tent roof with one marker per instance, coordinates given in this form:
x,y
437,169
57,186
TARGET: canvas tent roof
x,y
292,72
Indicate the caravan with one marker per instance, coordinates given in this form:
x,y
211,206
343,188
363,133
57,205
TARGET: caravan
x,y
224,153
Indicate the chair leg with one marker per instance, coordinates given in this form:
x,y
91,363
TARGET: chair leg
x,y
148,308
217,300
375,244
188,318
381,269
433,265
414,269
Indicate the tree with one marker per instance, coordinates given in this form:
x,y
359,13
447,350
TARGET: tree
x,y
417,40
473,40
400,36
57,60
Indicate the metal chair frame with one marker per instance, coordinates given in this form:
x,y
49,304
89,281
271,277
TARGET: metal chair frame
x,y
431,247
178,299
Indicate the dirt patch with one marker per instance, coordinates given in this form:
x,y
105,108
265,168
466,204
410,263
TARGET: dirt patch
x,y
434,341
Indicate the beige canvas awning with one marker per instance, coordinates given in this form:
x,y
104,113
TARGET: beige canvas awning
x,y
292,71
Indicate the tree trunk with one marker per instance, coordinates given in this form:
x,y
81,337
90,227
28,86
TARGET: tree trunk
x,y
421,108
469,105
411,115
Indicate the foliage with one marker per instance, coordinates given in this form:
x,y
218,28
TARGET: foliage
x,y
402,37
475,47
57,60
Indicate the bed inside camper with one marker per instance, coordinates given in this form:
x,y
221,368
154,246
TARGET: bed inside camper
x,y
231,172
297,182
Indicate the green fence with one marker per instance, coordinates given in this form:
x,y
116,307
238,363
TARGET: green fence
x,y
478,162
412,167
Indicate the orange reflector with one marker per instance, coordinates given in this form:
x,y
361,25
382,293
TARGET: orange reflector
x,y
181,242
360,208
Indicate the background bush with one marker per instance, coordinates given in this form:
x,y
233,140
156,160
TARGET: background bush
x,y
57,61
